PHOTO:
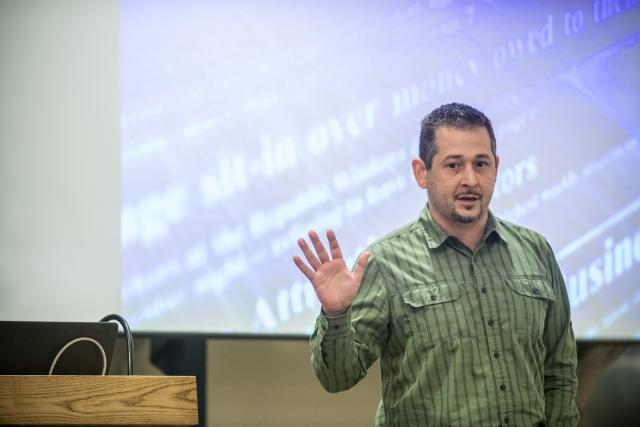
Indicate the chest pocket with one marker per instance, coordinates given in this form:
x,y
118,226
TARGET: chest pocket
x,y
433,313
529,300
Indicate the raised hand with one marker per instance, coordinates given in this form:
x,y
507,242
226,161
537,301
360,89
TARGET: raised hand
x,y
335,285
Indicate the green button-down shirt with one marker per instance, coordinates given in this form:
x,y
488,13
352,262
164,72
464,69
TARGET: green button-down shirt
x,y
464,338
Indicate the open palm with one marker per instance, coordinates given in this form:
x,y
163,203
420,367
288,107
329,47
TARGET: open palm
x,y
335,285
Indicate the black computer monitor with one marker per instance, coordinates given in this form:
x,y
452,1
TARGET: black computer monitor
x,y
31,348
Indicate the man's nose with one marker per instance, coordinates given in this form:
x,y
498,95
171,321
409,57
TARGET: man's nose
x,y
469,178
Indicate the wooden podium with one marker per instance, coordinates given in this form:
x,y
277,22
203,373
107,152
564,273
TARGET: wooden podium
x,y
98,400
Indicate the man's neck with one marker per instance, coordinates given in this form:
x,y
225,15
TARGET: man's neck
x,y
469,234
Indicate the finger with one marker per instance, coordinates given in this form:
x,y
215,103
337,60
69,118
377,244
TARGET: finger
x,y
334,246
319,247
304,268
358,271
308,254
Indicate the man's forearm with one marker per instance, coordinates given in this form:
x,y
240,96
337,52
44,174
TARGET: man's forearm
x,y
334,353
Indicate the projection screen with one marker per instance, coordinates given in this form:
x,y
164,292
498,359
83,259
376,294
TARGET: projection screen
x,y
247,123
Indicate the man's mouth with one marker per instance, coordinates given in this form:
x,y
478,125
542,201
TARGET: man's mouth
x,y
468,200
468,197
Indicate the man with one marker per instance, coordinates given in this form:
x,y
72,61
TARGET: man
x,y
467,313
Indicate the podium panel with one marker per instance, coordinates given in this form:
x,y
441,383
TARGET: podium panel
x,y
98,400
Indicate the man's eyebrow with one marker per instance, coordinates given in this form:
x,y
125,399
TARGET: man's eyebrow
x,y
460,156
453,156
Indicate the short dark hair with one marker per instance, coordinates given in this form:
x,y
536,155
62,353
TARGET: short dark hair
x,y
455,115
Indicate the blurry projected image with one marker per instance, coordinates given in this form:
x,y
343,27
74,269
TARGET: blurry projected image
x,y
247,123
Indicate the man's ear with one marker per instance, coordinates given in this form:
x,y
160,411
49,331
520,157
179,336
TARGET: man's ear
x,y
419,172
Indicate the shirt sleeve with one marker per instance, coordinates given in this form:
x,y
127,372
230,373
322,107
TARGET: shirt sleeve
x,y
560,380
344,347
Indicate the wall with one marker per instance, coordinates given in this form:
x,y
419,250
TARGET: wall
x,y
271,383
59,159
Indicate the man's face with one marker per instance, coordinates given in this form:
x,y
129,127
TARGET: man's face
x,y
462,177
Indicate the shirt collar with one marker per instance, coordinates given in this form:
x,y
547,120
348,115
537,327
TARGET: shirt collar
x,y
494,226
436,236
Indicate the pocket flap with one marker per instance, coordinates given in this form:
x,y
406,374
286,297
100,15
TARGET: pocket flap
x,y
431,294
531,287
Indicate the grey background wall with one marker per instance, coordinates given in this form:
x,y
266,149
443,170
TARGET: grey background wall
x,y
59,158
59,223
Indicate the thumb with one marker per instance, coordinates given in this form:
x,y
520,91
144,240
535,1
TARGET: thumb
x,y
361,264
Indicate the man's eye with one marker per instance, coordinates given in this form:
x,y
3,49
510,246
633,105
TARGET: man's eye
x,y
452,165
481,163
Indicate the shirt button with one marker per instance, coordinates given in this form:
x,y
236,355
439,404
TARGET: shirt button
x,y
506,420
491,322
336,327
536,291
483,290
433,297
496,355
503,387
